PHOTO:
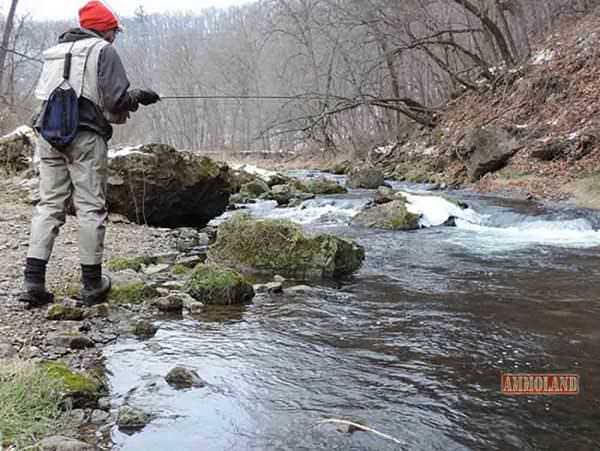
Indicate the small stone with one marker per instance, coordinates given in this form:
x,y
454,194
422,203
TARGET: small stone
x,y
132,419
7,351
77,416
191,261
61,443
99,417
81,342
104,403
180,377
272,287
155,269
176,284
97,311
170,303
145,329
300,289
278,278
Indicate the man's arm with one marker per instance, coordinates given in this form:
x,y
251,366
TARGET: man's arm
x,y
113,83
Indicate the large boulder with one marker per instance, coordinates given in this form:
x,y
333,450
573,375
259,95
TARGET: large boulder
x,y
392,215
160,186
323,185
247,171
365,177
254,188
287,194
281,247
487,150
16,150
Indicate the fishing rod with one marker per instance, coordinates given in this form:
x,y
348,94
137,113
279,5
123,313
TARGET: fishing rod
x,y
234,97
231,97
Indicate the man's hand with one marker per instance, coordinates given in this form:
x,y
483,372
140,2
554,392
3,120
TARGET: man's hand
x,y
144,96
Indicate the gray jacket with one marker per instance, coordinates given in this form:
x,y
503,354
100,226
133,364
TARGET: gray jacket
x,y
113,86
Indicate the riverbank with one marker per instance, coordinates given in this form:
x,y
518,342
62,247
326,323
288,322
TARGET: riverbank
x,y
27,335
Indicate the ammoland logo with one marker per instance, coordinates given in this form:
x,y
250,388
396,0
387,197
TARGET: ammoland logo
x,y
539,384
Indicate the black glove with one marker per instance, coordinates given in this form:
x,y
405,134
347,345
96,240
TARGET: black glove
x,y
144,96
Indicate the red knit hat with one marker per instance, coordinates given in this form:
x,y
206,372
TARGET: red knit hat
x,y
95,16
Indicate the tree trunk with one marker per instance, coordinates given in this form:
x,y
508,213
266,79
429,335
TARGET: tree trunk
x,y
6,38
491,27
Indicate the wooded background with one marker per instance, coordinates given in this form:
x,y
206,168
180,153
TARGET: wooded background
x,y
362,72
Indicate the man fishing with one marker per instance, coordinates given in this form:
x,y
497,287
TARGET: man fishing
x,y
75,164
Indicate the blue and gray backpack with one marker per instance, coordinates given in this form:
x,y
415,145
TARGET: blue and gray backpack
x,y
60,119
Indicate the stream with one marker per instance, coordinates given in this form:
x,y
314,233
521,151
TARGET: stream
x,y
412,345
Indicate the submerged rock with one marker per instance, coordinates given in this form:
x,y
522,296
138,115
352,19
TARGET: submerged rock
x,y
132,419
157,185
365,177
181,378
282,247
213,284
144,329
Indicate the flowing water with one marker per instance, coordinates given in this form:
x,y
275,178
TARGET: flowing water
x,y
413,345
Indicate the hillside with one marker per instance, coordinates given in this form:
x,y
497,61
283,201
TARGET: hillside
x,y
549,109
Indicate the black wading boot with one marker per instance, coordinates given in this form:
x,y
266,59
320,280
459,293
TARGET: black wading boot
x,y
35,293
95,285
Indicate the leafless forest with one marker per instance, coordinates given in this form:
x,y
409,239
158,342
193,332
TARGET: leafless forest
x,y
356,73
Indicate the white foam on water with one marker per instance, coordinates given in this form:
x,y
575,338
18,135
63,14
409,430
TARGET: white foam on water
x,y
315,211
436,210
570,233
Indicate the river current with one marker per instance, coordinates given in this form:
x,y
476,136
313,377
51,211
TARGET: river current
x,y
412,345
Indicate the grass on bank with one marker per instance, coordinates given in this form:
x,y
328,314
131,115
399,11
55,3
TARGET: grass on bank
x,y
30,401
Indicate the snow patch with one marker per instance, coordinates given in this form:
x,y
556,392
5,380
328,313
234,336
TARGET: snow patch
x,y
435,210
543,56
264,174
384,150
125,151
23,130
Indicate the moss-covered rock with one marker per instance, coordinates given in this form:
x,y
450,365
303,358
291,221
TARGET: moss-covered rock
x,y
391,216
180,270
288,194
122,263
213,284
81,390
254,188
131,293
282,247
61,312
323,185
365,177
341,168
